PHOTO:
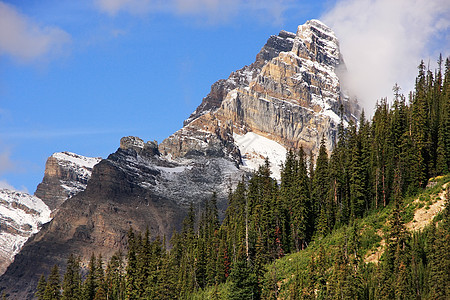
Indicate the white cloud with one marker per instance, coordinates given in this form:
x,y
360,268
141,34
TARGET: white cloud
x,y
383,41
211,10
24,39
6,164
112,7
5,185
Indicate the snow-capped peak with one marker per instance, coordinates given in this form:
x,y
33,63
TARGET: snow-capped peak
x,y
21,215
78,160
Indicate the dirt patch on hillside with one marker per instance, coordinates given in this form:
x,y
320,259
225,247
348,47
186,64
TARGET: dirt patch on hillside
x,y
422,217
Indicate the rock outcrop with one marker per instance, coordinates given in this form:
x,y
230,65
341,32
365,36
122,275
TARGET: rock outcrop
x,y
135,187
21,215
66,174
289,97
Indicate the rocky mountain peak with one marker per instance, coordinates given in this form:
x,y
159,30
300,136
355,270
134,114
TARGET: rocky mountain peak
x,y
291,95
138,145
21,215
316,41
241,78
66,174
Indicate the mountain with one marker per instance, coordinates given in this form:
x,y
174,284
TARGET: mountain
x,y
66,174
290,96
21,215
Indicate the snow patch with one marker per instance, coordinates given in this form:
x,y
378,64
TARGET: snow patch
x,y
255,148
178,169
21,215
79,160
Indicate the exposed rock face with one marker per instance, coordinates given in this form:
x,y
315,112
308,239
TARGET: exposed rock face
x,y
66,174
291,94
21,215
241,78
289,97
133,187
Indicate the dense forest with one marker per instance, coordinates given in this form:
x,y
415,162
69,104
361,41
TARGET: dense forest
x,y
374,166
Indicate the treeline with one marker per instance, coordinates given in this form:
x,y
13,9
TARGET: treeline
x,y
372,164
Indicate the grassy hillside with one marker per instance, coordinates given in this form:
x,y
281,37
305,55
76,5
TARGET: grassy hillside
x,y
365,238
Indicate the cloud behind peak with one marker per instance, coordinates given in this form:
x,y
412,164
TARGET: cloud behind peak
x,y
25,40
383,41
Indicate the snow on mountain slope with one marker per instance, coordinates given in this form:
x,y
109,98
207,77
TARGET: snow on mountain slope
x,y
81,168
21,215
255,148
293,97
66,174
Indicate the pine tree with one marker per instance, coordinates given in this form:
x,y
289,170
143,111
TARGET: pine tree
x,y
114,278
244,284
90,283
420,127
323,211
131,277
440,257
72,279
53,287
40,290
357,177
396,272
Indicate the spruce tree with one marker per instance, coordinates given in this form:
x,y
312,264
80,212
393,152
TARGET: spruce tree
x,y
40,290
53,287
72,279
90,283
323,215
114,277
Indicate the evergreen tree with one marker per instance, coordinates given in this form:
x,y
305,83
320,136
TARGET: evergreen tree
x,y
114,278
53,287
40,290
440,257
131,277
244,284
72,279
396,274
323,210
90,284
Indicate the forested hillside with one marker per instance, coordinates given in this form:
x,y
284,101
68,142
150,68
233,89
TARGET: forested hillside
x,y
306,236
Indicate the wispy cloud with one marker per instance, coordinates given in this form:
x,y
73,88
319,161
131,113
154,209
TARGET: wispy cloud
x,y
211,10
25,40
113,7
6,163
5,185
383,41
58,133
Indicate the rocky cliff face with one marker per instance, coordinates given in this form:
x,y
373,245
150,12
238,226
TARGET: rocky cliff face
x,y
289,97
134,187
21,215
66,174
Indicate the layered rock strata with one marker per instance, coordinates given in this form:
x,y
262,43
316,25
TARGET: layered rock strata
x,y
289,97
66,174
291,94
21,215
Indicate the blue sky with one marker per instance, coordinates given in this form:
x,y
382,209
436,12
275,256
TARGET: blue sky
x,y
78,75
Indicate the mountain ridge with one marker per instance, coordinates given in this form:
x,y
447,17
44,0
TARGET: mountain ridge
x,y
145,185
